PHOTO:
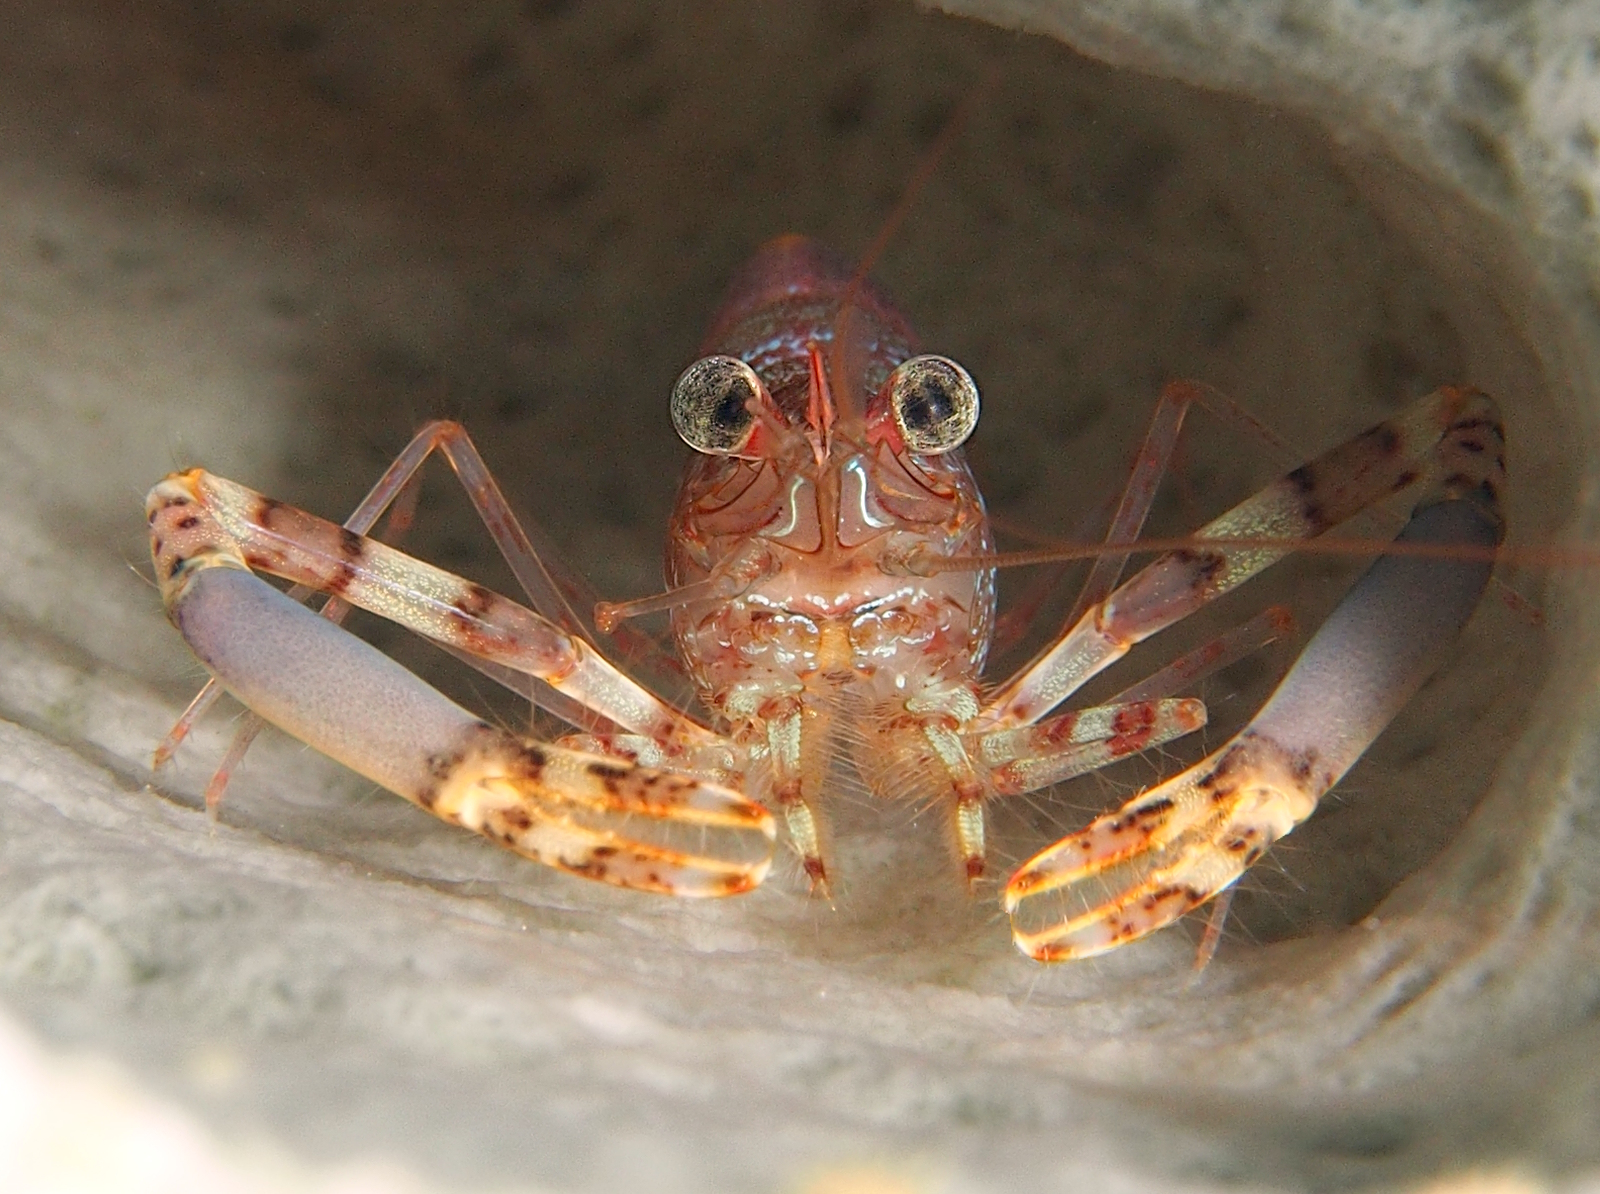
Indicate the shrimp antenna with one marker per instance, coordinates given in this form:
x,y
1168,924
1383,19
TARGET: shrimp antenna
x,y
841,364
1555,556
732,577
920,178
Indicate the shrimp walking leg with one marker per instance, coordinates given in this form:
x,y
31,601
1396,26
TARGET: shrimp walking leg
x,y
1073,744
1139,495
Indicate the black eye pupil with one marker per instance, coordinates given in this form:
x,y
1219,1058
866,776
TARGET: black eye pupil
x,y
711,404
729,412
927,405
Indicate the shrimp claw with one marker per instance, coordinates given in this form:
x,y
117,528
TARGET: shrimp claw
x,y
1184,841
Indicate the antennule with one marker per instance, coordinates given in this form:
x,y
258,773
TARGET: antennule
x,y
732,579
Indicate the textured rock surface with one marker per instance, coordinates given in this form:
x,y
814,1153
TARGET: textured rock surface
x,y
273,241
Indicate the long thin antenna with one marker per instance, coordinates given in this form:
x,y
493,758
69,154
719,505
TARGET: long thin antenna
x,y
920,178
1582,555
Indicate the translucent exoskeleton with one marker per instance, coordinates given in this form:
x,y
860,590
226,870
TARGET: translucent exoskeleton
x,y
829,563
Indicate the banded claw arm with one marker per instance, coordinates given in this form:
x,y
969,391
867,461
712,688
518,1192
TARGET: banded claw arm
x,y
1182,842
632,826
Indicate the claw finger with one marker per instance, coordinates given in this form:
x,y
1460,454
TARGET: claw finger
x,y
1172,849
1133,900
630,826
1142,828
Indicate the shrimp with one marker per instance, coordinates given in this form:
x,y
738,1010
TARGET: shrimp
x,y
831,584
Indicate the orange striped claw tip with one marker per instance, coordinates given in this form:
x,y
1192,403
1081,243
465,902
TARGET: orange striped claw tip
x,y
1139,869
606,819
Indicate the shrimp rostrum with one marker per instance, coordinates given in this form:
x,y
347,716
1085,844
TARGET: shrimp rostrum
x,y
831,585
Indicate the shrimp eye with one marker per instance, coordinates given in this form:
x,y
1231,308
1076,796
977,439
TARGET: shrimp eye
x,y
712,405
934,402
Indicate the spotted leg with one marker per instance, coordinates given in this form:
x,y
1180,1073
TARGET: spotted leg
x,y
1442,437
633,826
395,492
975,767
1182,842
1011,761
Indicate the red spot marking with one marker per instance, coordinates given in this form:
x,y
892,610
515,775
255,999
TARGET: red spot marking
x,y
1009,780
531,761
475,602
816,873
1300,765
1060,729
1163,895
266,512
1134,818
778,707
340,580
1132,729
